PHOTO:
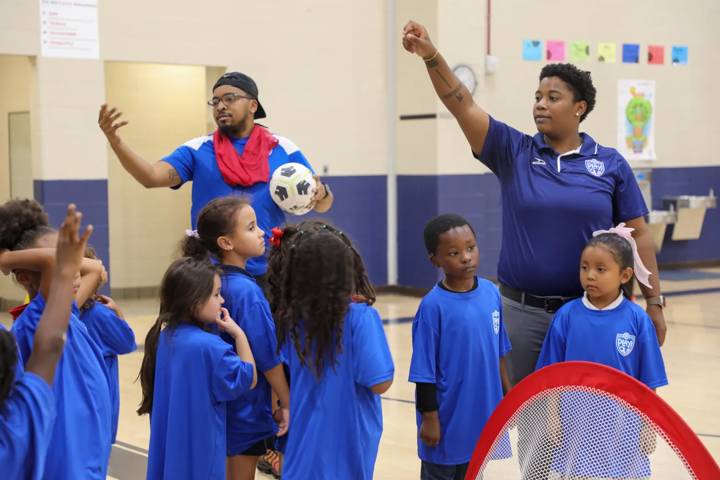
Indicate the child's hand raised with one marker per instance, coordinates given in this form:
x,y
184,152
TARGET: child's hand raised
x,y
70,245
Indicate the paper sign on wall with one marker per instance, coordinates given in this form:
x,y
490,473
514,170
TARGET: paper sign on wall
x,y
579,51
607,52
656,54
555,50
631,53
679,55
532,50
69,29
636,119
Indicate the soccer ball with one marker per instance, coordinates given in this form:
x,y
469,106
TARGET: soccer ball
x,y
292,187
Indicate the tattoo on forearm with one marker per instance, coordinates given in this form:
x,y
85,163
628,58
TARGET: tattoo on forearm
x,y
432,63
456,92
445,80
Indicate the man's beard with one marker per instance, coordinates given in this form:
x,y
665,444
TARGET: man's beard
x,y
229,130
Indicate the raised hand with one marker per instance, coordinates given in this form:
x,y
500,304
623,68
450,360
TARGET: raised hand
x,y
416,40
108,122
70,244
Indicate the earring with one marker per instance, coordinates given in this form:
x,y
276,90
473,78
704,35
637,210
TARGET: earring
x,y
577,114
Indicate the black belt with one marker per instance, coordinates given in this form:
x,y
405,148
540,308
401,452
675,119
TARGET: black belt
x,y
550,304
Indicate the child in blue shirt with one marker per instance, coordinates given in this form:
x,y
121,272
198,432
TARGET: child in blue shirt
x,y
605,327
336,351
27,403
227,230
80,441
189,374
106,325
459,342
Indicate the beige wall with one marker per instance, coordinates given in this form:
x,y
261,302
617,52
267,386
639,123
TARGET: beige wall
x,y
165,107
15,85
684,115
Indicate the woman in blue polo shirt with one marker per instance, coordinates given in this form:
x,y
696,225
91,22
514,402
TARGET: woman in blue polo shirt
x,y
557,186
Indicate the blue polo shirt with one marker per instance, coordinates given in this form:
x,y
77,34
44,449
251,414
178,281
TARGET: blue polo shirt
x,y
250,416
195,160
458,339
623,338
552,203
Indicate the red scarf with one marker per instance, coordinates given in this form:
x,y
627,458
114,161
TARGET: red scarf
x,y
15,312
252,166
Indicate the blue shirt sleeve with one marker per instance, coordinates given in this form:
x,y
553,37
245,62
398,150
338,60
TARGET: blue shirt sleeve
x,y
24,341
183,161
505,345
501,147
628,202
652,367
372,362
26,422
261,336
299,157
231,377
114,333
553,349
426,341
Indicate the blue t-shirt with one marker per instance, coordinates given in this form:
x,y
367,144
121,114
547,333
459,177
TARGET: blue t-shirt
x,y
26,422
196,375
551,205
250,416
114,337
458,339
623,338
195,160
81,439
336,420
19,364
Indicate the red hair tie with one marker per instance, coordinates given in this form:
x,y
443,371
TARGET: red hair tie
x,y
276,237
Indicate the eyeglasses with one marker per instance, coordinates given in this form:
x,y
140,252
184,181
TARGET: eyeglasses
x,y
227,99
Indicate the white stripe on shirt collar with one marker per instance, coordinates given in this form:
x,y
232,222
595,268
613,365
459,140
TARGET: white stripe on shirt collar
x,y
616,303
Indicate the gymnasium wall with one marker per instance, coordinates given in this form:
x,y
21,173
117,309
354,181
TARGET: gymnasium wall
x,y
436,167
327,80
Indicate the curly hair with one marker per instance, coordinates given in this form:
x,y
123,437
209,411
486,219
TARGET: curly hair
x,y
313,274
579,81
8,361
21,221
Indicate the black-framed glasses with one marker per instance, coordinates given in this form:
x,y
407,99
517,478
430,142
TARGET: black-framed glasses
x,y
227,99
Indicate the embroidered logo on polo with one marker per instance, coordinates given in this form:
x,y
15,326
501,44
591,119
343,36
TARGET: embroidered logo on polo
x,y
496,322
624,342
538,161
595,166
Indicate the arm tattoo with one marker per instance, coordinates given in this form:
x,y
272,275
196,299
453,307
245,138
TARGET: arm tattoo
x,y
173,176
442,77
456,92
432,63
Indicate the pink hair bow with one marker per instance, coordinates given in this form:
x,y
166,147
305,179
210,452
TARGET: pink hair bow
x,y
641,272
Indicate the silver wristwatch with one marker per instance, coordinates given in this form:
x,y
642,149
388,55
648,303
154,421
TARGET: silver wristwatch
x,y
659,301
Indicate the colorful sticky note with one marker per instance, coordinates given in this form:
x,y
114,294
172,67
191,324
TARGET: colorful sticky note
x,y
607,52
555,50
579,51
631,53
656,54
532,50
679,55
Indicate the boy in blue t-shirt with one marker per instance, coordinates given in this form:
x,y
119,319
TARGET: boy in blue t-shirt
x,y
458,343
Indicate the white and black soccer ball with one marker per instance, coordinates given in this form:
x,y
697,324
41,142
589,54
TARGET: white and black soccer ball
x,y
292,187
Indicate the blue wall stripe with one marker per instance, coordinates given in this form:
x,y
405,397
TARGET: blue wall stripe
x,y
91,198
360,210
